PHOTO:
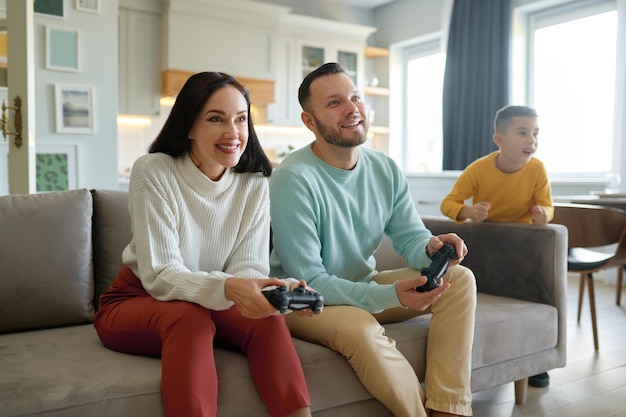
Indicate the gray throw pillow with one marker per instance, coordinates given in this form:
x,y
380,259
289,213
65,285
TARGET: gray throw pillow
x,y
46,273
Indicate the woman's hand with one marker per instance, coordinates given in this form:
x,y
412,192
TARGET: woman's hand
x,y
249,299
247,296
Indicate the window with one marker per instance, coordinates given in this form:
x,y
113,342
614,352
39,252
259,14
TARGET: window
x,y
423,65
571,78
566,62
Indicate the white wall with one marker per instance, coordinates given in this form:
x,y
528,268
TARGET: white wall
x,y
96,154
407,19
98,67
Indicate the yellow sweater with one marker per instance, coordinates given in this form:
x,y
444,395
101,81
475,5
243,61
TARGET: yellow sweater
x,y
511,195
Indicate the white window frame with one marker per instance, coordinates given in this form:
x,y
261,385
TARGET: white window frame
x,y
400,54
519,85
530,16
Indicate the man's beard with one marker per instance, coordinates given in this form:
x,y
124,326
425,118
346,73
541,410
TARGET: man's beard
x,y
334,137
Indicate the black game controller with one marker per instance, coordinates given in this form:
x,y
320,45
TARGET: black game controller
x,y
437,268
298,299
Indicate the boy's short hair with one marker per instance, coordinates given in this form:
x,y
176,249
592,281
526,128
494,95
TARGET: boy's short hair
x,y
507,113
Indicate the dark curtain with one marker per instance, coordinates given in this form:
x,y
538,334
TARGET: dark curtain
x,y
476,80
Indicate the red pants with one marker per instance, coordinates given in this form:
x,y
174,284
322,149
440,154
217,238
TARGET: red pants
x,y
184,334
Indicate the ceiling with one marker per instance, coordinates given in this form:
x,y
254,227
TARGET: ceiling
x,y
366,4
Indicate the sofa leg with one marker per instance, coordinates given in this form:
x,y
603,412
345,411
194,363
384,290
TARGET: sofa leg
x,y
521,386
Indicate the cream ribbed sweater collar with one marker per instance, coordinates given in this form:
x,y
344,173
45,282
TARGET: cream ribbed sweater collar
x,y
200,182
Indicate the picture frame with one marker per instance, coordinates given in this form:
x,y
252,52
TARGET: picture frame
x,y
55,167
74,106
50,8
62,49
92,6
3,49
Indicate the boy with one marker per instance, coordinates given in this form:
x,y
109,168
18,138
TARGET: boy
x,y
507,185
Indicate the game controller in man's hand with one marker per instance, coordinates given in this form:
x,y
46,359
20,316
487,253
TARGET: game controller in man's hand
x,y
437,268
298,299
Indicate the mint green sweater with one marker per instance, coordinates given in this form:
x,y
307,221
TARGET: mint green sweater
x,y
328,222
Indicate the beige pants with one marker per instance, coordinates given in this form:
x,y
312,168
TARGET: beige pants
x,y
382,369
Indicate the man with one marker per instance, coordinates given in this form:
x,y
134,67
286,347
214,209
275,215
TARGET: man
x,y
331,202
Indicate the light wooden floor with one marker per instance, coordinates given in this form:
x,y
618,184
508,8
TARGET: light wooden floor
x,y
592,384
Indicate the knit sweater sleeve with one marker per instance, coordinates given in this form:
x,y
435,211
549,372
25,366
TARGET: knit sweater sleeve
x,y
464,188
542,191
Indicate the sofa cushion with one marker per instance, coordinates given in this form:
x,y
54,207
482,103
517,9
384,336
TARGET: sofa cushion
x,y
84,378
45,260
111,234
501,333
66,371
503,326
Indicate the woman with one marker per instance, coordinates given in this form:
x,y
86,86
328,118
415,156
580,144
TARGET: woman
x,y
198,259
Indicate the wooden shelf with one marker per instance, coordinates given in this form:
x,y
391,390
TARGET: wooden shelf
x,y
376,52
260,91
376,91
379,130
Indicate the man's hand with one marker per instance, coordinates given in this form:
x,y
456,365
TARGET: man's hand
x,y
418,300
306,312
540,215
436,243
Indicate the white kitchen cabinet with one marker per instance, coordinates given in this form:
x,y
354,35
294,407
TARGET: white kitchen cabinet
x,y
302,57
313,55
233,36
298,55
139,62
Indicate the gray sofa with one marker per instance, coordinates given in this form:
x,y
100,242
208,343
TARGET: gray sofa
x,y
60,250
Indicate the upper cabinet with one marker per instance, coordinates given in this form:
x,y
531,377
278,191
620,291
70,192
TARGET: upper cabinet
x,y
262,43
234,36
139,60
303,44
314,56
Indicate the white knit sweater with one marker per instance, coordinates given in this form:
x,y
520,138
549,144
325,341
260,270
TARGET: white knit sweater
x,y
191,233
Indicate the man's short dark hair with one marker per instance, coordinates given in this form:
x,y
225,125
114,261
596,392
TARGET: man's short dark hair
x,y
507,113
304,92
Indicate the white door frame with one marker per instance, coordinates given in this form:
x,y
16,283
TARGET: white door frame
x,y
21,83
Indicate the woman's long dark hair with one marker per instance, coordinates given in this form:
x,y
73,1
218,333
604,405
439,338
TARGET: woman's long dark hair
x,y
173,138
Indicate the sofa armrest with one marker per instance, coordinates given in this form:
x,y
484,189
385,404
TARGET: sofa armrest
x,y
516,260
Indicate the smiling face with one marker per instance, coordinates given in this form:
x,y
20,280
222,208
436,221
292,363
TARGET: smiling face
x,y
219,134
517,142
335,111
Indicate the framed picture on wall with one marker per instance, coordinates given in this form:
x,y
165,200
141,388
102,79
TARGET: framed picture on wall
x,y
3,49
92,6
74,107
50,8
62,49
55,167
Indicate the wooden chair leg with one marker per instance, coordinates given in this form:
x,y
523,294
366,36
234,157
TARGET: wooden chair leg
x,y
592,307
620,276
521,386
581,292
